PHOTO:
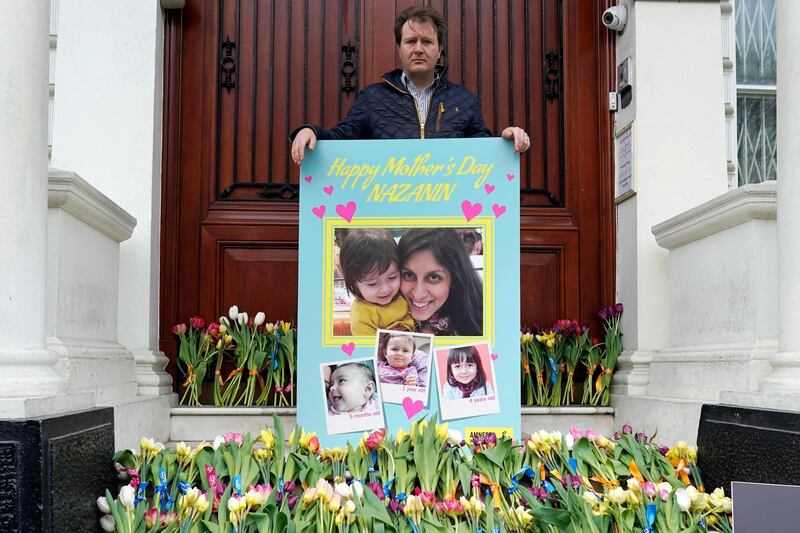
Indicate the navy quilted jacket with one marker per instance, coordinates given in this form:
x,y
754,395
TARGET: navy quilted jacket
x,y
386,110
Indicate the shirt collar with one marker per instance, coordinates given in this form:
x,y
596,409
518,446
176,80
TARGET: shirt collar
x,y
408,83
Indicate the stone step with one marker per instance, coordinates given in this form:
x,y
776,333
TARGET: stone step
x,y
195,424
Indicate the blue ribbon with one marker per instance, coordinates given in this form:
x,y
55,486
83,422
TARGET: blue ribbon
x,y
573,464
553,372
650,514
162,490
374,456
280,485
413,527
401,497
140,494
524,471
548,486
237,484
702,522
183,487
387,486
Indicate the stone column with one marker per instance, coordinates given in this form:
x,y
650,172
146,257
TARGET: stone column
x,y
785,376
25,366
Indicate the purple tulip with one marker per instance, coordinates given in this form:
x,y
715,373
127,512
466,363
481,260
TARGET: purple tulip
x,y
490,439
292,501
641,437
615,436
617,309
395,506
663,450
377,489
603,313
626,429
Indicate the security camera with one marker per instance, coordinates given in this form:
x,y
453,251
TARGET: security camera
x,y
615,17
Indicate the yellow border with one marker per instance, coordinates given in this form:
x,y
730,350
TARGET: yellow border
x,y
331,223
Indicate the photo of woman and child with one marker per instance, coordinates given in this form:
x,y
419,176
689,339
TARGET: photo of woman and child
x,y
403,363
466,377
418,279
350,389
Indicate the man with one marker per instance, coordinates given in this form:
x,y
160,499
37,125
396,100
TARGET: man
x,y
416,101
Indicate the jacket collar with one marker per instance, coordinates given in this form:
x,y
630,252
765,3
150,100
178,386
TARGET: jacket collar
x,y
395,78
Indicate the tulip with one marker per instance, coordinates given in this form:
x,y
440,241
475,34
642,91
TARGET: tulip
x,y
569,440
626,428
268,438
127,495
591,434
649,489
259,319
576,433
197,322
102,504
233,312
683,500
343,490
107,523
213,329
455,436
617,495
233,437
617,309
179,329
242,319
358,489
441,431
223,320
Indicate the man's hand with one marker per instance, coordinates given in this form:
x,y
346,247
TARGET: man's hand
x,y
521,140
411,381
304,137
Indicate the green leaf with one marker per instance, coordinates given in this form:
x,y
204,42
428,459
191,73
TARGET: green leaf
x,y
557,517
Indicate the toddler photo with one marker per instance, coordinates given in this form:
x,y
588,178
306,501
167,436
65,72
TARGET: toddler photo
x,y
466,381
370,266
403,360
351,396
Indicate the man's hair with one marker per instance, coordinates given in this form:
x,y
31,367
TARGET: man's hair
x,y
420,14
366,252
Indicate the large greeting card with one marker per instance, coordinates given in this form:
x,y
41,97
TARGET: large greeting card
x,y
408,286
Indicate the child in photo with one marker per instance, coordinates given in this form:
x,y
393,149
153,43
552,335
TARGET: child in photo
x,y
352,389
370,266
465,375
398,360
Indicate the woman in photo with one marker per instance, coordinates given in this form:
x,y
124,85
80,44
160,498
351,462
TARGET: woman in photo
x,y
465,375
443,291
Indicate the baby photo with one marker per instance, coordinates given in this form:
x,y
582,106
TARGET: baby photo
x,y
466,381
404,360
351,395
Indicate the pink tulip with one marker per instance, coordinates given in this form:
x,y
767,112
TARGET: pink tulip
x,y
649,489
235,437
591,434
179,329
213,330
576,433
197,322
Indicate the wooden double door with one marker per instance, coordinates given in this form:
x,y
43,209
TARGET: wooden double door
x,y
241,74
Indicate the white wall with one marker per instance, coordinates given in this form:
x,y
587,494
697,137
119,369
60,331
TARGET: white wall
x,y
107,128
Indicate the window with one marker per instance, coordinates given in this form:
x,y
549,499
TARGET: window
x,y
755,90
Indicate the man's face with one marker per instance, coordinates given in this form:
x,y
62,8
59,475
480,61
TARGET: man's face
x,y
419,48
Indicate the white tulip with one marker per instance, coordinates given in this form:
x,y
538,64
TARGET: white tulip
x,y
343,490
358,489
683,499
569,440
242,319
107,523
218,441
127,494
102,504
233,312
224,321
455,435
259,319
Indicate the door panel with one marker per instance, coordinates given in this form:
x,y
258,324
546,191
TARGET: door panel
x,y
241,74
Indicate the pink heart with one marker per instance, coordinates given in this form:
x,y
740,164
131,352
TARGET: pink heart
x,y
510,177
346,211
470,210
412,407
498,210
318,211
308,179
328,190
489,188
495,356
348,348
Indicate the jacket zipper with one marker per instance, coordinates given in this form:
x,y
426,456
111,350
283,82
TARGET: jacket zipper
x,y
439,117
419,120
